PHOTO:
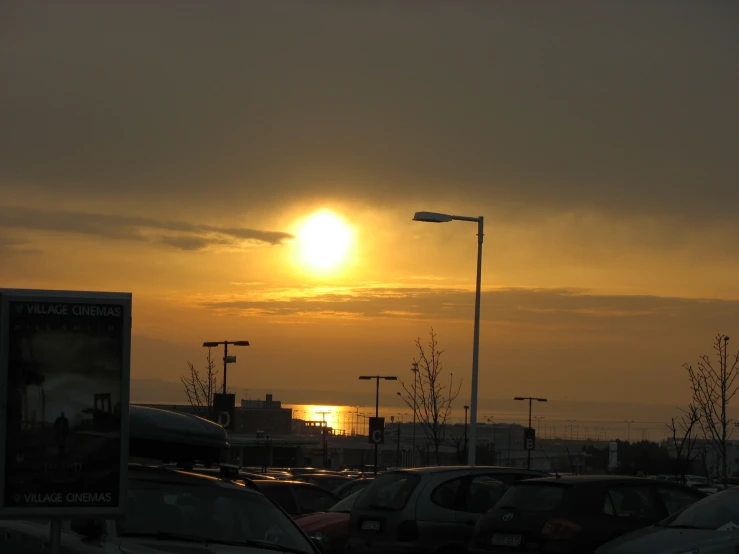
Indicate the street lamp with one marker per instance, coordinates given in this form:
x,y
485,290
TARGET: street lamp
x,y
628,423
571,421
226,358
531,400
377,401
432,217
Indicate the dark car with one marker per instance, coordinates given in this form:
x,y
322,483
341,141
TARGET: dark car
x,y
326,481
426,510
297,497
330,529
352,486
576,514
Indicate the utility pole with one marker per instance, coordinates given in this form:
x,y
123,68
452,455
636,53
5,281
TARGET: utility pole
x,y
531,400
377,404
325,438
466,455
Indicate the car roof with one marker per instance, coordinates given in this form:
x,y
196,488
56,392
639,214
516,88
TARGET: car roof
x,y
176,475
578,479
445,469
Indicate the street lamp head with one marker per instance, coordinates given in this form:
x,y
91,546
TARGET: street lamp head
x,y
390,378
365,377
210,344
519,398
466,407
241,343
540,399
432,217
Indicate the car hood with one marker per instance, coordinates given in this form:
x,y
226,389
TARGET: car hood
x,y
669,541
320,521
146,546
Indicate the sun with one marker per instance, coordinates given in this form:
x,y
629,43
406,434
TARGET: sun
x,y
324,240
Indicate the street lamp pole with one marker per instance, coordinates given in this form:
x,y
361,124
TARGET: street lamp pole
x,y
377,403
530,399
226,359
466,408
432,217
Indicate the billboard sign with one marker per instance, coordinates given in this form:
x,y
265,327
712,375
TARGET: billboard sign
x,y
224,410
64,397
377,430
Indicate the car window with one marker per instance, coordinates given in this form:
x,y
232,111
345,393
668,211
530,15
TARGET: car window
x,y
712,512
482,494
630,501
207,513
445,495
390,491
676,499
313,499
533,498
282,497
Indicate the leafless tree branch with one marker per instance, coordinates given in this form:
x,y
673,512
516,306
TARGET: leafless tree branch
x,y
433,399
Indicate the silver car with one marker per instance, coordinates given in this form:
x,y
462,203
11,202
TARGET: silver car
x,y
429,510
710,526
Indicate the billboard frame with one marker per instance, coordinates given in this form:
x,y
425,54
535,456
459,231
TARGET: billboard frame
x,y
8,295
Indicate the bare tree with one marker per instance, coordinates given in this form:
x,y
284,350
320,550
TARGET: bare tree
x,y
433,398
684,436
713,386
200,386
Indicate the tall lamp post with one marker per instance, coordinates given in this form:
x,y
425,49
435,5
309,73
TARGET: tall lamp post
x,y
414,369
226,358
432,217
531,400
377,402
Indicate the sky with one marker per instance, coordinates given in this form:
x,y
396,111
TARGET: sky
x,y
176,151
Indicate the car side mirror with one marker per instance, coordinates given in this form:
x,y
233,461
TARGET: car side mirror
x,y
88,528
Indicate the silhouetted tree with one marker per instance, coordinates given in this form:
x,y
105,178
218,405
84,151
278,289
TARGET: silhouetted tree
x,y
713,386
683,439
201,386
647,457
433,404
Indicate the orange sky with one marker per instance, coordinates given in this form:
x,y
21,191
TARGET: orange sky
x,y
173,153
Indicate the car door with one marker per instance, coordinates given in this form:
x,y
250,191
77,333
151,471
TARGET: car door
x,y
630,507
479,494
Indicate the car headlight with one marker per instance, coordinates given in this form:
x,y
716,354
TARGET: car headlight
x,y
318,537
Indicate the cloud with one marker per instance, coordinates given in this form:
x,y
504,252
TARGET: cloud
x,y
177,234
10,246
549,308
385,101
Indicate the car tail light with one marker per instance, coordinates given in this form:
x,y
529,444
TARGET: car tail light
x,y
407,531
560,530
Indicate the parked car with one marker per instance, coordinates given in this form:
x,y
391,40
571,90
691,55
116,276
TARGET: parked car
x,y
330,529
576,514
297,497
711,525
169,509
326,481
353,486
426,510
232,472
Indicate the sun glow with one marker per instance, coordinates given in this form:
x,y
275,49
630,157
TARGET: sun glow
x,y
324,240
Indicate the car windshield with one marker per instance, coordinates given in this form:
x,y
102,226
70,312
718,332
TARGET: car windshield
x,y
347,504
207,512
713,512
533,498
390,491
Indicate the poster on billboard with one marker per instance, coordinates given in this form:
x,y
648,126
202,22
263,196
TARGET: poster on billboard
x,y
64,397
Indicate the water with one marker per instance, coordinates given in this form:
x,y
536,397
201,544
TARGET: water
x,y
354,420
